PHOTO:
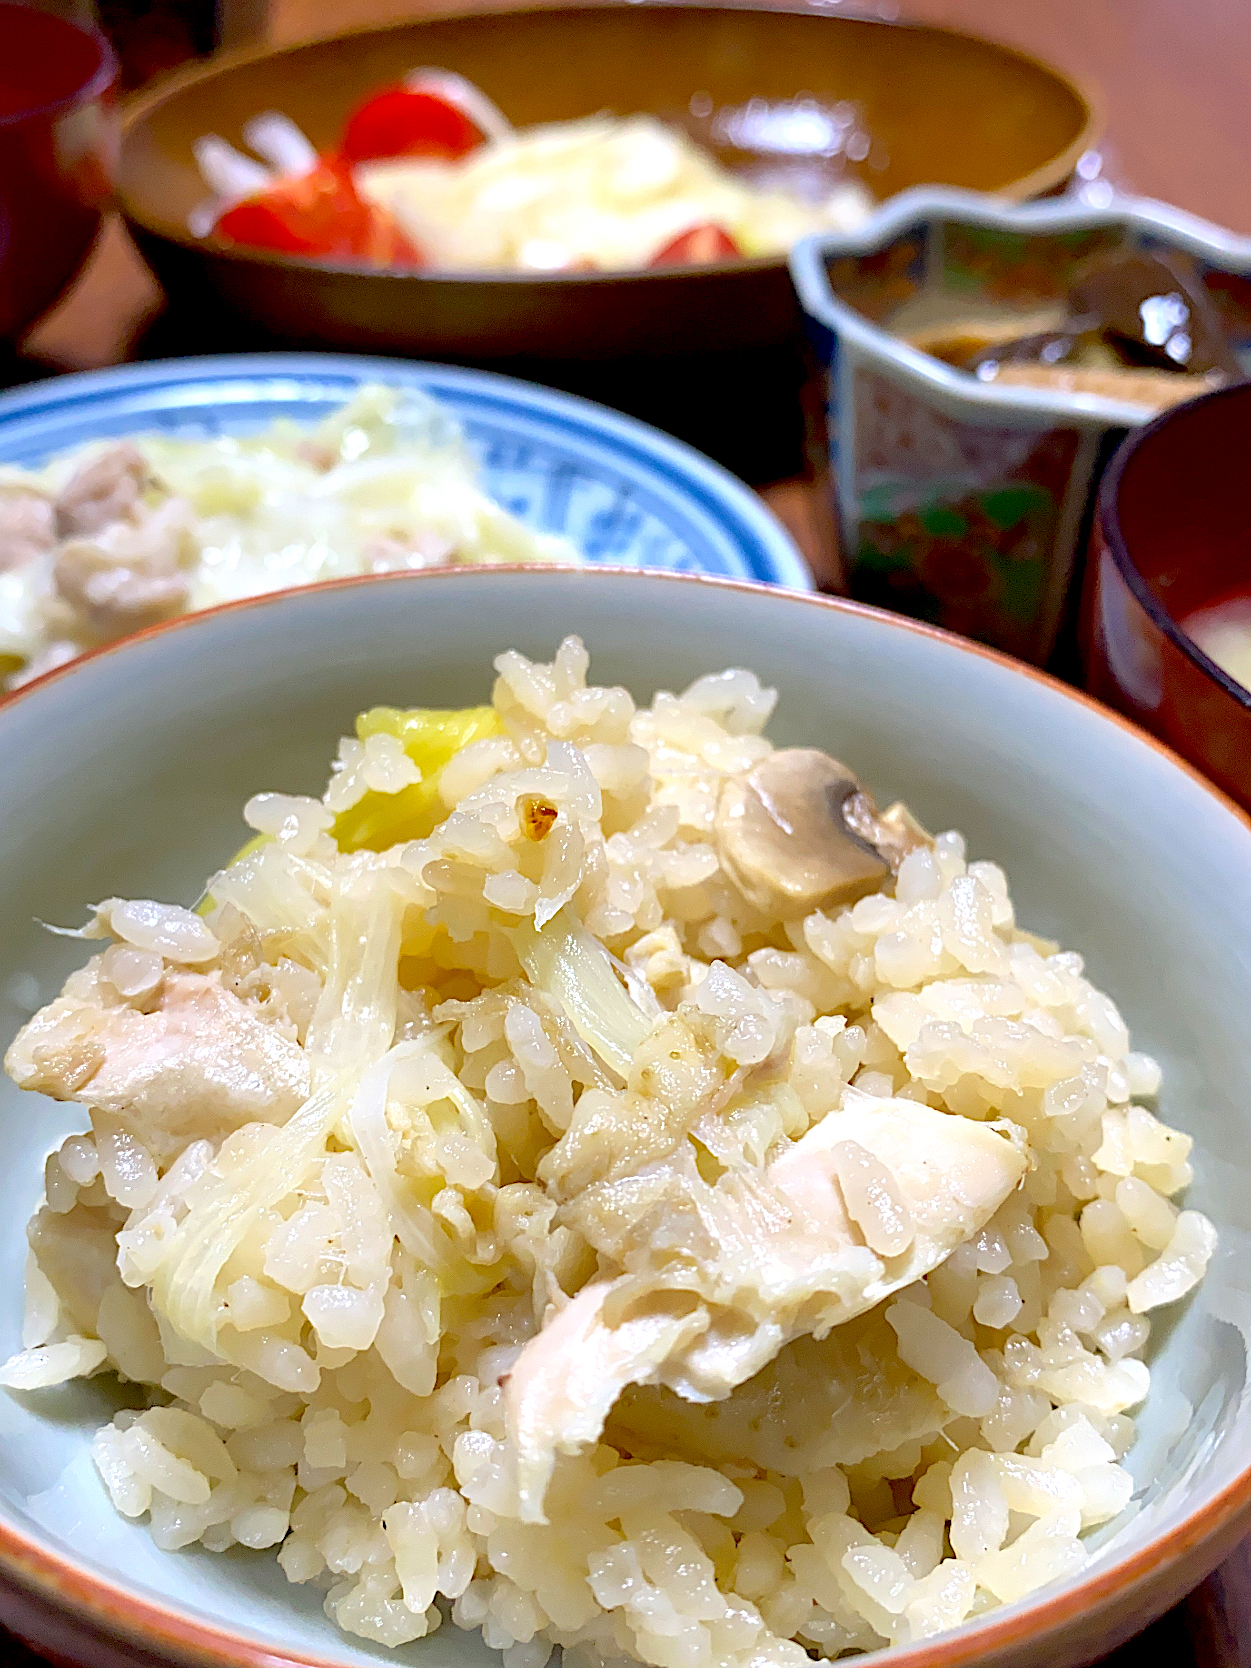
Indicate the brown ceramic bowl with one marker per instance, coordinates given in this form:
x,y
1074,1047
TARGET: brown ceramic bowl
x,y
1171,537
938,106
57,133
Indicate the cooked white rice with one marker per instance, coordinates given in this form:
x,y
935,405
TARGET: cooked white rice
x,y
357,1137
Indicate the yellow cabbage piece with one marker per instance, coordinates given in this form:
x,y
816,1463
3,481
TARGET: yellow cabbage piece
x,y
430,738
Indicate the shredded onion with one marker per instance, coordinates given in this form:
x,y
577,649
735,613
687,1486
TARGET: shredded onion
x,y
574,969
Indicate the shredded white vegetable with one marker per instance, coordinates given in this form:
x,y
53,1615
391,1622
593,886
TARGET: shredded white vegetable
x,y
446,84
276,138
413,1224
566,963
184,1285
595,193
599,193
114,536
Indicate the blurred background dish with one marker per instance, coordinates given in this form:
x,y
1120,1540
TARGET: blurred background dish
x,y
1168,605
626,496
223,527
688,345
964,499
57,139
149,37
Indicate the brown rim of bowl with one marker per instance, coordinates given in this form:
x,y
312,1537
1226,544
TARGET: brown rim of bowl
x,y
100,1602
94,87
1049,176
1109,522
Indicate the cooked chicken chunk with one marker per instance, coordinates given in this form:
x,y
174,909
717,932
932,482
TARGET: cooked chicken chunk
x,y
199,1065
787,1253
130,575
27,528
104,489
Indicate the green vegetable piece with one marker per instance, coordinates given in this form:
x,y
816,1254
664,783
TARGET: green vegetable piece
x,y
943,522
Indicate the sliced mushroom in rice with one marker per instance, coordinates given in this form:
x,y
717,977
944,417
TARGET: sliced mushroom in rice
x,y
798,832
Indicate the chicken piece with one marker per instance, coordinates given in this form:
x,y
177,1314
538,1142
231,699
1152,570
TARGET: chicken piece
x,y
199,1065
783,1254
77,1253
27,527
836,1400
104,489
316,454
565,1381
131,575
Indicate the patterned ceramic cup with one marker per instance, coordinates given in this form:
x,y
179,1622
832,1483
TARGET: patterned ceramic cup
x,y
961,502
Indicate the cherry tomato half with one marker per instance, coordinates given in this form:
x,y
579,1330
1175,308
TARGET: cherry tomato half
x,y
405,121
319,214
698,247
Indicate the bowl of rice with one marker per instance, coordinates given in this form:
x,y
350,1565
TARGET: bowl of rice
x,y
611,1114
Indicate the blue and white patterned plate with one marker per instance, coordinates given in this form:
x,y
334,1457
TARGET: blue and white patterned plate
x,y
627,495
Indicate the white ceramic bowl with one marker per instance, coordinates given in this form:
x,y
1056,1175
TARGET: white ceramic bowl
x,y
126,774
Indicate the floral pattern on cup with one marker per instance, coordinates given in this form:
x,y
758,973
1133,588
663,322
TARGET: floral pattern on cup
x,y
961,502
958,522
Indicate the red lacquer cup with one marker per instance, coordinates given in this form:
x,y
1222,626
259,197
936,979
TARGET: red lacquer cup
x,y
1171,536
58,138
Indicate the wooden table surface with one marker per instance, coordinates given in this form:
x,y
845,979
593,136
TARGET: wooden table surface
x,y
1174,80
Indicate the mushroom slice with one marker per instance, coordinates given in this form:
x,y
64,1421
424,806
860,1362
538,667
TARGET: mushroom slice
x,y
798,832
892,833
795,1253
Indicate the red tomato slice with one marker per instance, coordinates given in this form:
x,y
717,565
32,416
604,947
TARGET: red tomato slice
x,y
387,245
403,121
319,214
698,247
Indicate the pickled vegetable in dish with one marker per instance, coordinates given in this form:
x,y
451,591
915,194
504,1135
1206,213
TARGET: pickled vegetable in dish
x,y
1133,327
430,174
114,536
599,1179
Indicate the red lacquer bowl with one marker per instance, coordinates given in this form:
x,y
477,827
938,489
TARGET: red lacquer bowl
x,y
1172,535
58,138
